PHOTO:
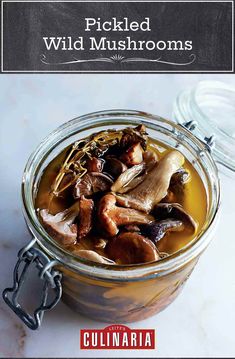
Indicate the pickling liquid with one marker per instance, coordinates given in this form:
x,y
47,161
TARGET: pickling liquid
x,y
193,200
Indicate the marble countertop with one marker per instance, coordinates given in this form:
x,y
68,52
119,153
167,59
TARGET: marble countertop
x,y
200,323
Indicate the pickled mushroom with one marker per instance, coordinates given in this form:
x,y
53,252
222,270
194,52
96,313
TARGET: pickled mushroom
x,y
132,248
175,210
111,216
150,159
128,193
155,186
178,182
131,136
132,177
95,164
114,166
61,226
126,177
85,217
133,155
158,229
91,183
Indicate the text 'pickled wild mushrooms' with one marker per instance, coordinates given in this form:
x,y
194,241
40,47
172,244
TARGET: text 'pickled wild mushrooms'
x,y
120,197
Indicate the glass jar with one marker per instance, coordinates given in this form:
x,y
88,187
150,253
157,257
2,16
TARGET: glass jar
x,y
115,293
210,108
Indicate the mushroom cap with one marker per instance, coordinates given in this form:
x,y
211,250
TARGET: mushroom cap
x,y
157,230
131,248
59,228
178,182
92,182
175,210
179,178
114,166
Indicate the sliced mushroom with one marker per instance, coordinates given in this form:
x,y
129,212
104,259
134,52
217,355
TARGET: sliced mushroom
x,y
150,159
60,226
111,217
175,210
132,184
91,183
154,187
93,256
126,177
133,155
131,248
85,217
114,166
95,164
157,230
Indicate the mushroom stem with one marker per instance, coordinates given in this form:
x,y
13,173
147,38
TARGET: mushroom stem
x,y
154,187
85,217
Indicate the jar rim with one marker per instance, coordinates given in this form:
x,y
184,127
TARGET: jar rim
x,y
118,272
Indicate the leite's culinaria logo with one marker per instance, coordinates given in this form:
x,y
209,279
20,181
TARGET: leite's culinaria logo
x,y
117,337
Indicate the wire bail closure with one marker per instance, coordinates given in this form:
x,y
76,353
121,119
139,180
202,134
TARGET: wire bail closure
x,y
209,142
30,255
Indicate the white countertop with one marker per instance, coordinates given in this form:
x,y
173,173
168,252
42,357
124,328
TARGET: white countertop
x,y
200,323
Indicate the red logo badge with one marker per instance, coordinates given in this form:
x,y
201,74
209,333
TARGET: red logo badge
x,y
117,337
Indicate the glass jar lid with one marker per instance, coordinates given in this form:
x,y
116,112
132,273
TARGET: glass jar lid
x,y
209,108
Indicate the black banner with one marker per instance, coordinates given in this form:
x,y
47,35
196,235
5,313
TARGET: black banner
x,y
106,37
